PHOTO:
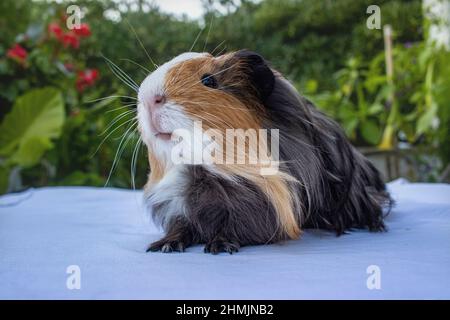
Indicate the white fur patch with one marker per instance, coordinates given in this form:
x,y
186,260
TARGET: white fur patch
x,y
170,115
167,196
154,83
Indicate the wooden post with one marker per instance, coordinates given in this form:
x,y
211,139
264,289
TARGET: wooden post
x,y
388,141
387,32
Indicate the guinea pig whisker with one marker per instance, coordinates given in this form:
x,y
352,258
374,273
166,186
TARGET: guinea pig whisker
x,y
218,46
109,134
209,30
141,44
190,50
178,73
130,106
203,105
105,138
229,86
188,113
220,52
111,97
122,107
211,75
122,75
134,158
120,71
121,136
120,149
139,65
116,119
220,120
196,39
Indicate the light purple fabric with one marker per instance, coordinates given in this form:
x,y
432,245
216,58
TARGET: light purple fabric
x,y
101,230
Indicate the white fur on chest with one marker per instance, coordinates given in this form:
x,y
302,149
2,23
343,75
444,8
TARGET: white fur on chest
x,y
166,199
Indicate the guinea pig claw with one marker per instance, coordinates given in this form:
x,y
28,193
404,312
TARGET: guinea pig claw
x,y
219,245
167,246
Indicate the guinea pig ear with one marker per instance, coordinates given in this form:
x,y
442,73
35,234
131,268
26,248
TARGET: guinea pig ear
x,y
260,74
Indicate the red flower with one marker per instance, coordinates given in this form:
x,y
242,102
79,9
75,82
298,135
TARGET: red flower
x,y
17,53
55,29
83,30
86,78
70,39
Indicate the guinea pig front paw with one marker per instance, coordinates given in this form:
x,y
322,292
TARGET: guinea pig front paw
x,y
166,246
220,244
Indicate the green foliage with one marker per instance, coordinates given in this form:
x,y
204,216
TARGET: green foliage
x,y
26,132
362,101
358,102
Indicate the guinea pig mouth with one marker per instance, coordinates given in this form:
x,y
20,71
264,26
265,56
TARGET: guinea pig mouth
x,y
159,132
163,135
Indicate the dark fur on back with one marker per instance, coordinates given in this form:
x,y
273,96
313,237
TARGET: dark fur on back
x,y
339,189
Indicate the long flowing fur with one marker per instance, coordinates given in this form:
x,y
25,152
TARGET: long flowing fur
x,y
323,182
339,189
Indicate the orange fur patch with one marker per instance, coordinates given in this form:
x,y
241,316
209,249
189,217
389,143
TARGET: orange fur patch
x,y
157,170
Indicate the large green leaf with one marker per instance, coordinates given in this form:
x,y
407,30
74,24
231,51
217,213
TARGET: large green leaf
x,y
30,151
35,119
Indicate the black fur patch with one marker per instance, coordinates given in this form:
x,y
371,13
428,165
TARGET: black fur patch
x,y
254,70
339,188
237,211
259,72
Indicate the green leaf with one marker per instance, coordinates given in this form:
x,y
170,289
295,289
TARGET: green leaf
x,y
371,132
425,121
35,119
375,108
30,151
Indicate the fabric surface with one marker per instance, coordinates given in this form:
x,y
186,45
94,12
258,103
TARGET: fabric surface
x,y
103,231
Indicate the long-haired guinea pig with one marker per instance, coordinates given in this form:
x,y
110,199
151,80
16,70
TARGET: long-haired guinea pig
x,y
322,181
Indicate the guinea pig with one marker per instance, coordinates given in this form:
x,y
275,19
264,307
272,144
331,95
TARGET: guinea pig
x,y
322,181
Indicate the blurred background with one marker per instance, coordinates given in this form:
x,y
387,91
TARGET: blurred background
x,y
65,109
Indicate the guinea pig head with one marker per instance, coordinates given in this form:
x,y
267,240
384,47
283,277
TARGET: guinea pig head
x,y
224,92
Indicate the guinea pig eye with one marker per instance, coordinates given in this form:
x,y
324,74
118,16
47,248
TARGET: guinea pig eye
x,y
209,81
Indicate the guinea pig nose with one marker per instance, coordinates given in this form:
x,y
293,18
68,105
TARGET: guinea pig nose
x,y
159,99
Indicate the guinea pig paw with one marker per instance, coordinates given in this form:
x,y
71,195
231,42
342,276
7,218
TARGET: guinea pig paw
x,y
221,245
167,246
